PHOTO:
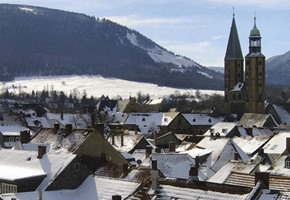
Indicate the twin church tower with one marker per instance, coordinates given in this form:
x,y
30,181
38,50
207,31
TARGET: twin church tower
x,y
244,89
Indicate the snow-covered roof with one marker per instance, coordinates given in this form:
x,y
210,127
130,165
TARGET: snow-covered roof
x,y
221,175
129,142
97,188
277,144
279,167
18,164
251,144
223,128
283,114
238,87
174,165
256,120
174,192
38,121
77,120
203,119
60,143
154,101
148,122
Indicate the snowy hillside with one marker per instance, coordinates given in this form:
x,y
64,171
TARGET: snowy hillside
x,y
93,85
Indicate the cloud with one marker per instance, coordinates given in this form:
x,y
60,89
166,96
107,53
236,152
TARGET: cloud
x,y
272,4
134,20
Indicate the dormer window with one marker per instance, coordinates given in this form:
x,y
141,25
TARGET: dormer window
x,y
287,162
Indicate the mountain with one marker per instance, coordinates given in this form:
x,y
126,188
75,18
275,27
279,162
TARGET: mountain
x,y
41,41
278,70
218,69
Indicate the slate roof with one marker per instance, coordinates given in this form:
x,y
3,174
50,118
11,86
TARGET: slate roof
x,y
94,187
248,180
257,120
60,142
234,50
203,119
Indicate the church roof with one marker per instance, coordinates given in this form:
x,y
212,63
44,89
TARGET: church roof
x,y
255,31
234,50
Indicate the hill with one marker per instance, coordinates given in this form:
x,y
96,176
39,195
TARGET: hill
x,y
39,42
278,69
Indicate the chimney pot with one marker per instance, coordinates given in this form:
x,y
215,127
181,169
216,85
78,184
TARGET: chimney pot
x,y
154,164
288,145
157,150
172,146
263,177
68,129
56,127
24,137
193,173
122,139
148,150
41,151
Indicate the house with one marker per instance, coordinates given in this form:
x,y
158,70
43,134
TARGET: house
x,y
163,141
88,144
94,187
10,128
148,123
249,120
280,112
22,171
226,129
200,123
179,124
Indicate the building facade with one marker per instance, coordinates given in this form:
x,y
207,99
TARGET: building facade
x,y
244,90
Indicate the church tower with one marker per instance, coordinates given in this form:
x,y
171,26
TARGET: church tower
x,y
234,73
255,74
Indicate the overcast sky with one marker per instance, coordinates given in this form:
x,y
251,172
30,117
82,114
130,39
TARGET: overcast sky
x,y
197,29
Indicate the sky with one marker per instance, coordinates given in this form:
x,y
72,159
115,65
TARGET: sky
x,y
197,29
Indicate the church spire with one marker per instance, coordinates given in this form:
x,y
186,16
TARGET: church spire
x,y
234,50
255,39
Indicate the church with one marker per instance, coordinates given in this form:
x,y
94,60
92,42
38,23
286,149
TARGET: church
x,y
244,87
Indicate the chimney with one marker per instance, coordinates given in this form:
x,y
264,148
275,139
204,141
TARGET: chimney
x,y
260,151
197,162
113,139
157,150
61,115
122,139
236,156
41,151
39,195
263,177
24,137
68,129
55,127
154,174
193,173
100,128
288,145
172,146
116,197
125,170
148,150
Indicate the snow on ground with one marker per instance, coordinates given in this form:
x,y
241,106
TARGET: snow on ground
x,y
93,86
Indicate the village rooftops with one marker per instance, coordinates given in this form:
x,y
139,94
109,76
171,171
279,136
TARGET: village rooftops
x,y
97,188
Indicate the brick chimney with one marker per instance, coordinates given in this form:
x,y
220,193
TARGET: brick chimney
x,y
288,145
172,146
100,128
55,127
113,139
68,129
61,115
125,170
154,175
263,177
157,150
148,150
193,173
41,151
116,197
24,137
122,139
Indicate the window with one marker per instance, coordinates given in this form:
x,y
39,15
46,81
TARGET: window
x,y
11,139
77,167
287,164
8,188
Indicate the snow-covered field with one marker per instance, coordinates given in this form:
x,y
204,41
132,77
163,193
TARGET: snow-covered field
x,y
93,85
